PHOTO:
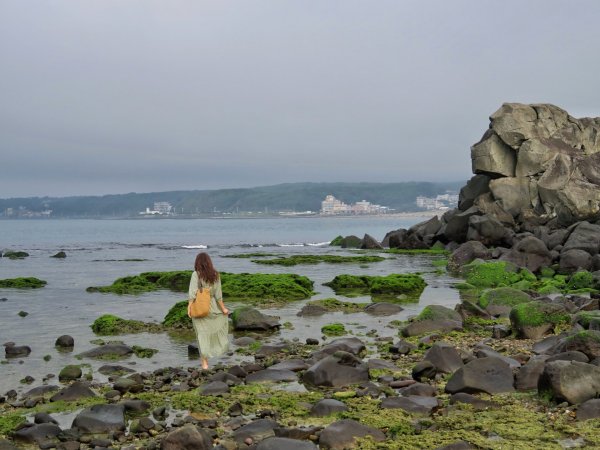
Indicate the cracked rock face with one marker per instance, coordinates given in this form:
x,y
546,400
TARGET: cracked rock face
x,y
541,162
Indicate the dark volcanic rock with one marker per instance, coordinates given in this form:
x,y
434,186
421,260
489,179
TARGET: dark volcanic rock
x,y
279,443
312,310
108,351
65,341
69,373
60,254
491,375
383,309
37,434
188,437
466,253
413,404
246,318
570,381
341,434
529,374
256,430
337,370
75,391
370,243
530,253
16,351
214,388
351,345
326,407
101,419
444,357
590,409
573,260
39,391
477,403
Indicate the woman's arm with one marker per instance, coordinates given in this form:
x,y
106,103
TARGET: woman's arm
x,y
219,297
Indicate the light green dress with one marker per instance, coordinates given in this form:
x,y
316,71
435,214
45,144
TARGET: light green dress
x,y
211,331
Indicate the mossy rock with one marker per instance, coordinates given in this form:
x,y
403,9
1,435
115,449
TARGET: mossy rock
x,y
246,318
588,319
316,259
532,320
335,305
501,300
437,312
491,274
70,372
177,316
59,255
351,242
333,329
581,281
251,287
337,241
586,341
108,325
143,352
22,283
10,254
408,285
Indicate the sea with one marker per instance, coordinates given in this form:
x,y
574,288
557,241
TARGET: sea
x,y
100,251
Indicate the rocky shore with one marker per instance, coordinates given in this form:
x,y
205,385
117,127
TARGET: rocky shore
x,y
515,365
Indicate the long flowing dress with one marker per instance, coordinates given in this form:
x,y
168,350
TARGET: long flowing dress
x,y
212,330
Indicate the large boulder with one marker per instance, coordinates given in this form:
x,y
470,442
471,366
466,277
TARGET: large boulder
x,y
475,187
488,230
444,357
370,243
585,236
101,419
246,318
532,320
466,253
434,318
491,156
111,350
337,370
531,253
491,375
570,381
573,260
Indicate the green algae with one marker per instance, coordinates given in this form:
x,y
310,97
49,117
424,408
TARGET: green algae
x,y
144,352
587,318
409,285
505,296
334,329
245,287
10,421
417,251
11,254
337,241
177,316
251,255
22,283
317,259
108,325
535,313
335,305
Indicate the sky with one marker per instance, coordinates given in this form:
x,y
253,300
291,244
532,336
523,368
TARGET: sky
x,y
112,96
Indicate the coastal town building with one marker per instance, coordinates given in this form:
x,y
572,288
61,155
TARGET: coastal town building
x,y
333,206
439,202
160,208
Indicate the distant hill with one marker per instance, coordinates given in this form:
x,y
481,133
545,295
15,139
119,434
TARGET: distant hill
x,y
281,197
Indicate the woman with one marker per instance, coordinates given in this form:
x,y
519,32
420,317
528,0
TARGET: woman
x,y
212,330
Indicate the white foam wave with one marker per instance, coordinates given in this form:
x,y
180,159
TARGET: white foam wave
x,y
290,245
194,246
317,244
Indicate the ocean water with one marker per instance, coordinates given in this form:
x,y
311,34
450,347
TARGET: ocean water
x,y
97,253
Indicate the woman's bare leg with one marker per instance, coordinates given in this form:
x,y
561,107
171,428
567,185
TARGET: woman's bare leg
x,y
204,362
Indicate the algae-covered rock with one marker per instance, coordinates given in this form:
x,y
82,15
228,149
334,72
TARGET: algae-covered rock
x,y
248,287
337,241
335,305
177,316
333,329
587,342
351,242
108,324
316,259
60,255
588,319
500,301
22,283
410,286
10,254
491,274
532,320
434,318
70,372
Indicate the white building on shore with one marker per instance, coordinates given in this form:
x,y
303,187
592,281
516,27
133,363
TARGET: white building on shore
x,y
440,202
160,209
332,206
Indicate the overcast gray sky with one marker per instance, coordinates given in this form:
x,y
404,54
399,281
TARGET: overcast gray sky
x,y
114,96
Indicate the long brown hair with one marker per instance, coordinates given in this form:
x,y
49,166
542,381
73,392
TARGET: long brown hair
x,y
205,268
